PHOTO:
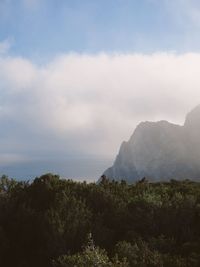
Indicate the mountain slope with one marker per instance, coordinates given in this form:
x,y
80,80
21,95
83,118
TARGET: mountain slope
x,y
160,151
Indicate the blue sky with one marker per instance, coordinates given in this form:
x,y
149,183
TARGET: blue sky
x,y
77,77
42,29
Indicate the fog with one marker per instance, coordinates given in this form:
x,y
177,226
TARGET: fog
x,y
84,105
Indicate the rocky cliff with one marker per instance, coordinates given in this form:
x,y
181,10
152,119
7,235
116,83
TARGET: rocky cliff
x,y
160,151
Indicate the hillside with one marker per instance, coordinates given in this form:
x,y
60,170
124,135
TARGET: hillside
x,y
160,151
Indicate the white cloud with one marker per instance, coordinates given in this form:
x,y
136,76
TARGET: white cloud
x,y
18,74
90,103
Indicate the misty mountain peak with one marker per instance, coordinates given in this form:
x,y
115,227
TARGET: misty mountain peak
x,y
193,118
160,150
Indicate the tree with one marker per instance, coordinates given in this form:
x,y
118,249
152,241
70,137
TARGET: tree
x,y
91,256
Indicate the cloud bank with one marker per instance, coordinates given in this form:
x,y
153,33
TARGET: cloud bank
x,y
81,104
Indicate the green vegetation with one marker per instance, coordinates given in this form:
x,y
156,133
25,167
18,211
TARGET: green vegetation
x,y
52,222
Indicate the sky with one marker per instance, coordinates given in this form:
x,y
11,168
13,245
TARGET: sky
x,y
77,77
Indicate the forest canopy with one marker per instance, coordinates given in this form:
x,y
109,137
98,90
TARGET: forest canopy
x,y
54,222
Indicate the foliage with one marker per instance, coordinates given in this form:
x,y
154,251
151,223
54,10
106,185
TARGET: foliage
x,y
90,257
46,223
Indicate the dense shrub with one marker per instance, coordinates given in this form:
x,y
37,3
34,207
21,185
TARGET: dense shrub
x,y
46,223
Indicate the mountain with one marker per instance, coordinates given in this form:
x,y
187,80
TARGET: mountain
x,y
160,151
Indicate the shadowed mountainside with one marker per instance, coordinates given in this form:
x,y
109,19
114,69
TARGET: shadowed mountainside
x,y
160,150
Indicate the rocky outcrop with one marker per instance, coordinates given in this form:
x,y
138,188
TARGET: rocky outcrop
x,y
160,151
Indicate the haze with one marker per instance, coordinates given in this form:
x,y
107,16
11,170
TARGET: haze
x,y
76,78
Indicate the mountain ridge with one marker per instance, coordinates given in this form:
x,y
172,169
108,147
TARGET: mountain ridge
x,y
160,151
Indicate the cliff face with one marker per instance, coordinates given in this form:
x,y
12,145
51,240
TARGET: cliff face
x,y
160,151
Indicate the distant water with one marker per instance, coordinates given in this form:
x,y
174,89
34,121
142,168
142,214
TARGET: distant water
x,y
89,169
